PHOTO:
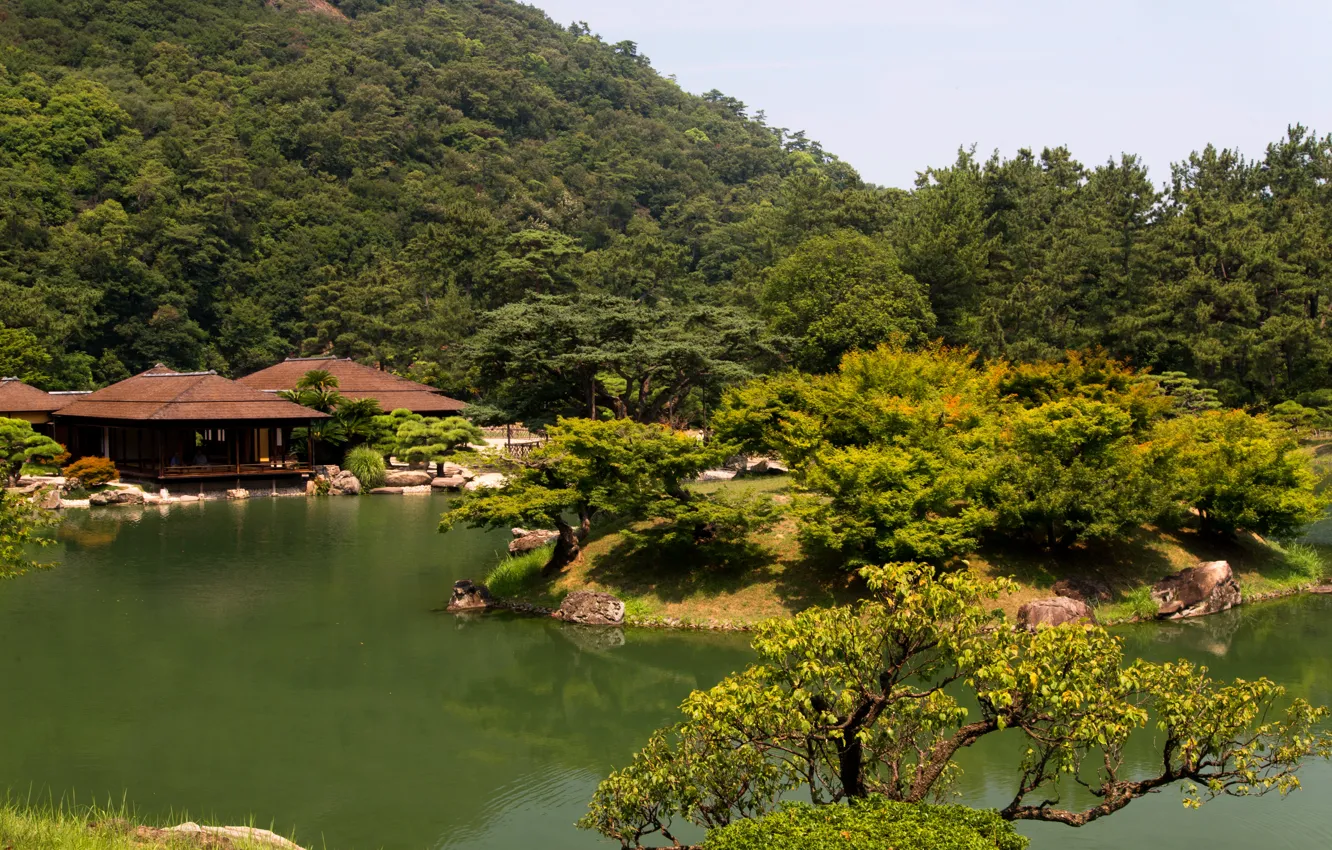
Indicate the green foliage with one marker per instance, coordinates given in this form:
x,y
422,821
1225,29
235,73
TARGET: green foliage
x,y
21,446
20,521
870,824
367,464
517,573
921,454
841,292
92,471
413,438
880,698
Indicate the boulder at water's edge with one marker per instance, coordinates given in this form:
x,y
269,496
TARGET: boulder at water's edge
x,y
1054,612
470,596
591,608
1204,589
408,478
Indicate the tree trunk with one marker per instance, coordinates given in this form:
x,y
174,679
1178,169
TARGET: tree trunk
x,y
850,762
566,548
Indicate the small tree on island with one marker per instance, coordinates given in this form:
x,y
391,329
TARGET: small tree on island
x,y
589,468
851,702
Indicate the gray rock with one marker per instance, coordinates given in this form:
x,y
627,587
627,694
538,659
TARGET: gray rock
x,y
344,484
221,835
530,541
408,478
452,482
51,499
716,475
386,491
486,480
1205,589
1054,612
470,596
238,494
116,497
1083,589
591,608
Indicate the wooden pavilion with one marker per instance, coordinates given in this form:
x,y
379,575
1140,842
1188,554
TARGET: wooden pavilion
x,y
357,381
163,425
22,401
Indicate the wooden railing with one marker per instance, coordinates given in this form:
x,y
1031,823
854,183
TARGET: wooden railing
x,y
221,469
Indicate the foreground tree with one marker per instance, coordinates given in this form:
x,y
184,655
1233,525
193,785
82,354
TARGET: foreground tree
x,y
19,522
588,469
874,699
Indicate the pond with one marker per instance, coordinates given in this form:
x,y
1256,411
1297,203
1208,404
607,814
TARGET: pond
x,y
286,660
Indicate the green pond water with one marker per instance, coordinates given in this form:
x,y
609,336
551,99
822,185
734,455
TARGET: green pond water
x,y
286,660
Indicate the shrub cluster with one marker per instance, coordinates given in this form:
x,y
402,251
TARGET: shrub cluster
x,y
919,454
871,824
92,471
367,465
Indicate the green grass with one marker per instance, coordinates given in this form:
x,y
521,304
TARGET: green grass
x,y
24,826
1305,563
1137,602
517,573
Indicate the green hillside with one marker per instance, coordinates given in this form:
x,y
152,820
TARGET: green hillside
x,y
219,184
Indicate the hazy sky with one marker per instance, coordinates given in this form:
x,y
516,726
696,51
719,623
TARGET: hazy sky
x,y
893,87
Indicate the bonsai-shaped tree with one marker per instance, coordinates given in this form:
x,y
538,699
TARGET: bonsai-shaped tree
x,y
416,439
21,446
878,699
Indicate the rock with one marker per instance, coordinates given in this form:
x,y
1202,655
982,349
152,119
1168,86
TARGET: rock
x,y
1083,589
311,488
1204,589
327,470
716,475
238,494
183,499
487,480
344,484
249,834
408,478
453,482
776,467
591,608
423,490
386,491
116,497
453,470
756,465
530,541
1054,612
51,499
469,596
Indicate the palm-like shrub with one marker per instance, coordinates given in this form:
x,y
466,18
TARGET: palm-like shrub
x,y
367,465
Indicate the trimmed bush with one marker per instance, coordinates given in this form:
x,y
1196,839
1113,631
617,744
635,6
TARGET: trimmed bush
x,y
872,824
367,465
92,471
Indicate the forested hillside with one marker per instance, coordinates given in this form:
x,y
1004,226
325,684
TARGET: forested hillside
x,y
219,184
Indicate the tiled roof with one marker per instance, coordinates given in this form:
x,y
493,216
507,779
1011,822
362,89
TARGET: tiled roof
x,y
161,394
356,381
18,397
